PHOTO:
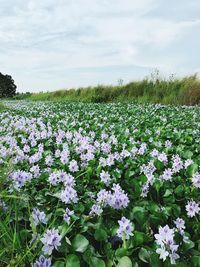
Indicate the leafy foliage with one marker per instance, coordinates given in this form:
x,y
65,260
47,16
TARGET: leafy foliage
x,y
96,184
7,86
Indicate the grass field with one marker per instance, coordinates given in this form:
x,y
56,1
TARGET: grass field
x,y
183,91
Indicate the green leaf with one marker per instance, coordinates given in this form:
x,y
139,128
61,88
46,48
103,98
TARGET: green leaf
x,y
72,261
94,262
109,263
196,261
124,262
144,255
120,252
80,243
139,214
155,261
187,154
59,264
138,238
168,192
186,246
192,169
100,235
63,229
179,190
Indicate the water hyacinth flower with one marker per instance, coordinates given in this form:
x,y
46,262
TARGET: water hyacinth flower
x,y
96,210
103,197
118,199
35,170
145,189
53,178
67,215
125,230
67,179
177,164
167,175
69,195
49,160
105,177
167,245
42,262
196,180
38,217
192,208
19,178
64,156
73,166
180,225
51,240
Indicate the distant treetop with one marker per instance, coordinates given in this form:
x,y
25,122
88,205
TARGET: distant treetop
x,y
7,86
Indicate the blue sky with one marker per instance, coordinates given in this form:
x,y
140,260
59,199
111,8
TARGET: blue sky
x,y
48,44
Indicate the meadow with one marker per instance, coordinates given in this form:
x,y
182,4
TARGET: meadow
x,y
99,185
154,89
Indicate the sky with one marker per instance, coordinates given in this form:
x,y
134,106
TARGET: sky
x,y
48,45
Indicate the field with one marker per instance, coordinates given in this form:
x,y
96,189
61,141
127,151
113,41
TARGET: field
x,y
155,89
99,185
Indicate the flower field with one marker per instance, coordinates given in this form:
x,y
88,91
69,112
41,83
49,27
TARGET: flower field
x,y
99,185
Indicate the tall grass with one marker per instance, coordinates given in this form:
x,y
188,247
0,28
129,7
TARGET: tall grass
x,y
184,91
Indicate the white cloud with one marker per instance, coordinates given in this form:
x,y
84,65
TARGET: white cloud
x,y
48,45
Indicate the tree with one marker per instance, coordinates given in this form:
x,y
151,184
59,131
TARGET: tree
x,y
7,86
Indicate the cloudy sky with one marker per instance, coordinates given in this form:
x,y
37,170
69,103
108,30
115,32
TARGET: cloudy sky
x,y
48,44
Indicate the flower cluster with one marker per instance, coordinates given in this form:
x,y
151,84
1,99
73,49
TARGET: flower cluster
x,y
167,245
125,229
67,215
42,262
192,208
196,180
38,217
51,240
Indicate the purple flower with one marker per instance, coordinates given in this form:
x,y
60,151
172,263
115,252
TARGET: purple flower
x,y
67,215
67,179
73,166
145,189
125,228
103,197
180,225
192,208
35,170
96,210
196,180
167,175
167,245
38,216
118,199
53,178
49,160
165,234
51,240
68,195
64,156
177,164
20,178
105,177
42,262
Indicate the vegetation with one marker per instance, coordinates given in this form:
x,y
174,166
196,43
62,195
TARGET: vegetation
x,y
99,185
7,86
185,91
